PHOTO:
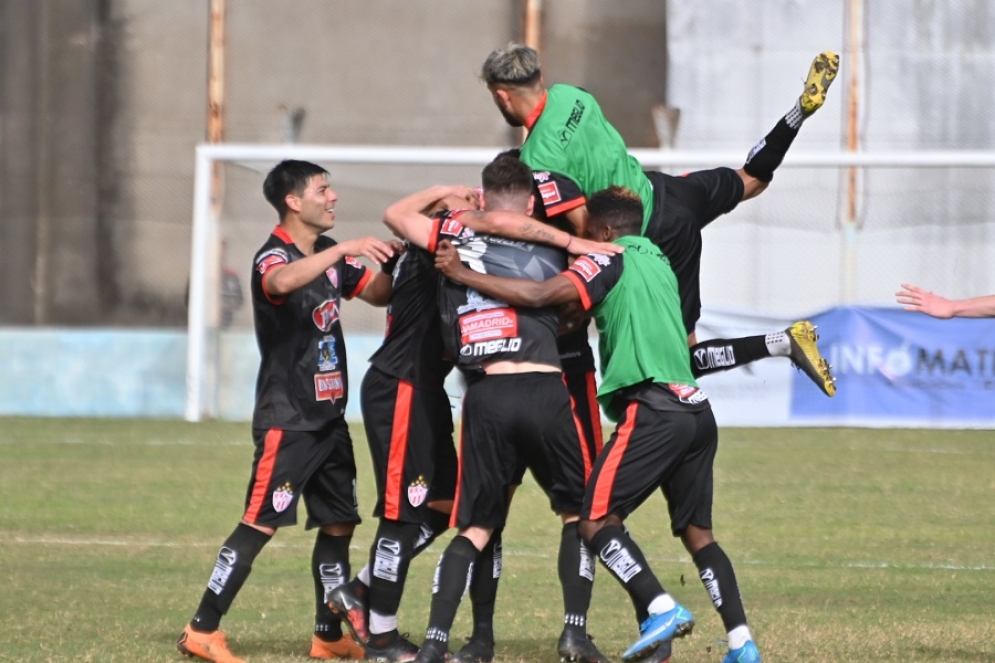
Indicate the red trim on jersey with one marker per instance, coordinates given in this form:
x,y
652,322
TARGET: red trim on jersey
x,y
398,450
584,446
433,235
566,207
264,474
367,275
280,232
585,299
454,516
592,404
606,480
536,112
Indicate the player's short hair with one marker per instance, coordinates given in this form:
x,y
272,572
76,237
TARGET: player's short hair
x,y
515,65
618,208
288,176
507,175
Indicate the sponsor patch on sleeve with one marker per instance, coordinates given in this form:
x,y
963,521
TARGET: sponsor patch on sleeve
x,y
271,259
586,267
550,193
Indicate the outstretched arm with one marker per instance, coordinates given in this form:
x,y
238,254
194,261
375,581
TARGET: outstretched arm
x,y
517,292
284,279
408,217
515,225
915,298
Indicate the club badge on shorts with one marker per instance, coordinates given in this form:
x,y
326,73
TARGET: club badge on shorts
x,y
282,497
418,491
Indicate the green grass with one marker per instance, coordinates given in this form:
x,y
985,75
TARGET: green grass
x,y
850,545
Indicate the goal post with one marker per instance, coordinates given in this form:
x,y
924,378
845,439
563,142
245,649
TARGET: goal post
x,y
206,237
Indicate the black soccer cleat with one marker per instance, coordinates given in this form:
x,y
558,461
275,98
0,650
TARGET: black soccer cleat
x,y
474,651
579,648
432,651
349,603
661,654
398,650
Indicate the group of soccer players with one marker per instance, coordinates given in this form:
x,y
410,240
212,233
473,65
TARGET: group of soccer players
x,y
483,283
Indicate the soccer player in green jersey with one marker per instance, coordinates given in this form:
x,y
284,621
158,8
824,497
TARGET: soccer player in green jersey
x,y
574,151
666,436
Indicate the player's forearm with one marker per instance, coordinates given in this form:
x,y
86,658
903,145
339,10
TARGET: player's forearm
x,y
378,289
517,292
975,307
297,274
515,226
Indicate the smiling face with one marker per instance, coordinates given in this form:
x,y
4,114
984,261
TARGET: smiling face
x,y
316,204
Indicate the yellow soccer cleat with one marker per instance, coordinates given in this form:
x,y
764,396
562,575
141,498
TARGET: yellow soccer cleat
x,y
208,646
821,75
805,356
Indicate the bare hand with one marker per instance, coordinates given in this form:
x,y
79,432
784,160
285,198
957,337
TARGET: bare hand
x,y
572,317
579,246
447,261
368,247
915,298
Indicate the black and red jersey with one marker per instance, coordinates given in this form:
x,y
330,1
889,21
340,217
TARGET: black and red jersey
x,y
412,348
302,383
478,329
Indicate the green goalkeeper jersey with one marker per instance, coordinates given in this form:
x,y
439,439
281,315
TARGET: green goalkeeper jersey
x,y
572,139
637,311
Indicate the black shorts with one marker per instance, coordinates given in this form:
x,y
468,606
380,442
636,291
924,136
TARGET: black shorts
x,y
682,207
511,422
656,449
316,464
410,432
583,390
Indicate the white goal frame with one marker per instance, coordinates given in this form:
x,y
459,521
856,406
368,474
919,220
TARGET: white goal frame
x,y
204,302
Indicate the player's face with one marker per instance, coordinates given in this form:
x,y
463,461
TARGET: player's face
x,y
318,204
504,105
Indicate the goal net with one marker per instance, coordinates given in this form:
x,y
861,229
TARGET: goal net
x,y
833,229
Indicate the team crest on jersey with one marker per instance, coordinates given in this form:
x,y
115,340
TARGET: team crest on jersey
x,y
325,314
329,386
550,193
333,276
601,259
418,491
586,267
541,176
282,497
328,360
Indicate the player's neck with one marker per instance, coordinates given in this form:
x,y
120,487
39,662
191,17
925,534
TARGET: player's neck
x,y
303,235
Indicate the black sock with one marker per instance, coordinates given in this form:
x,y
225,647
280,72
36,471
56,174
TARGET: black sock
x,y
452,576
768,154
436,523
329,568
383,640
624,560
719,578
721,354
390,557
575,565
483,587
231,568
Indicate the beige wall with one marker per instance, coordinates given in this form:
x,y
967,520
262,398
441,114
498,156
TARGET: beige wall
x,y
112,133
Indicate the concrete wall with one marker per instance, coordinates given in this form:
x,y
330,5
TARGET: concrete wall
x,y
103,101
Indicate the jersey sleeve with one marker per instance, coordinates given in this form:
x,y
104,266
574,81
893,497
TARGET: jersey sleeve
x,y
594,275
446,226
266,261
559,193
355,276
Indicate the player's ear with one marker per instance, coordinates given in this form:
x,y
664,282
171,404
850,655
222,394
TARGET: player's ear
x,y
531,206
293,202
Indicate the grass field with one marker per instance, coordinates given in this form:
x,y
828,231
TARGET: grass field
x,y
850,545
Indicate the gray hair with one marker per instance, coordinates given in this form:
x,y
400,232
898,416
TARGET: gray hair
x,y
514,64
